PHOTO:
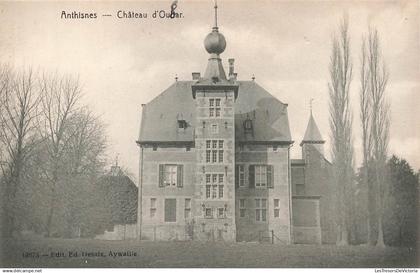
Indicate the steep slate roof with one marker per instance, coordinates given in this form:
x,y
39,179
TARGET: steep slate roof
x,y
269,115
312,134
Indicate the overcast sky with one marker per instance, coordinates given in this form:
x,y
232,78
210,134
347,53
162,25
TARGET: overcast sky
x,y
123,63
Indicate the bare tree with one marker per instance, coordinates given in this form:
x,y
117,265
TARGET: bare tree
x,y
84,162
341,129
60,96
366,119
375,127
19,100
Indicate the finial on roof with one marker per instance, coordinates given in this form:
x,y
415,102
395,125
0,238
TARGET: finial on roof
x,y
253,77
310,105
176,77
116,160
215,13
215,42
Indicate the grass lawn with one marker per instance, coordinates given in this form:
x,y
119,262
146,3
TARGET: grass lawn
x,y
196,254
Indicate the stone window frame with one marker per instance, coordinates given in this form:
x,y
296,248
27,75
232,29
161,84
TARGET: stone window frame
x,y
214,151
153,208
215,107
241,175
221,213
242,207
260,210
187,208
208,213
215,185
177,175
276,205
269,176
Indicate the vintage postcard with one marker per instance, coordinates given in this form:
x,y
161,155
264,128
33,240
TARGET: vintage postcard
x,y
209,134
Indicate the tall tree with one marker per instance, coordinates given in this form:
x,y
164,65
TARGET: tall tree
x,y
19,103
366,119
375,126
341,128
60,97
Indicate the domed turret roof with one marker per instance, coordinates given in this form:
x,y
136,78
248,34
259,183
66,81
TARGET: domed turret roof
x,y
215,42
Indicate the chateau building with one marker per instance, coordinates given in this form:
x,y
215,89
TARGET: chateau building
x,y
215,163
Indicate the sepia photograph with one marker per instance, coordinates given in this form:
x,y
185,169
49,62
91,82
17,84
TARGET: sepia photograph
x,y
210,134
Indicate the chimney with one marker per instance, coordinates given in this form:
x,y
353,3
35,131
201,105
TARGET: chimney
x,y
196,75
231,67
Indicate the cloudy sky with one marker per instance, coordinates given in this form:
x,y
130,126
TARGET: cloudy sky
x,y
123,63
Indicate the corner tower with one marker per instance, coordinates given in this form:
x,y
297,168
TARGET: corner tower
x,y
312,137
214,191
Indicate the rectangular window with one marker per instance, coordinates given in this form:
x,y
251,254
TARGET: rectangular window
x,y
170,175
260,176
214,151
152,207
170,210
208,189
187,212
214,156
242,209
260,210
220,213
215,107
220,191
208,213
208,158
214,185
214,129
241,175
221,178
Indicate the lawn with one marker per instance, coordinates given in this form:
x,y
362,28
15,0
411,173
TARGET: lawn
x,y
195,254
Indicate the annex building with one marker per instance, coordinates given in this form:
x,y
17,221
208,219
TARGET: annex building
x,y
215,163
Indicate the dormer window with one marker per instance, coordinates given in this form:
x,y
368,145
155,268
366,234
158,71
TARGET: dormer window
x,y
182,124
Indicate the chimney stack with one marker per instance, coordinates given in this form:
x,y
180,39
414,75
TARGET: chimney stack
x,y
196,75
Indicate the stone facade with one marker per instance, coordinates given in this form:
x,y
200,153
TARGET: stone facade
x,y
215,164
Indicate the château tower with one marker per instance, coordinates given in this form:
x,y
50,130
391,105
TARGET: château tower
x,y
215,96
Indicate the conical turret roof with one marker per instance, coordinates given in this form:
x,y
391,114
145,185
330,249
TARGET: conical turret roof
x,y
312,134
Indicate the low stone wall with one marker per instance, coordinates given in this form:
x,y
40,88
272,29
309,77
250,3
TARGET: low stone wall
x,y
120,232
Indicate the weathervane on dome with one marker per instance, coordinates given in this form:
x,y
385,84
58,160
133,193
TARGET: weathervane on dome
x,y
310,105
215,13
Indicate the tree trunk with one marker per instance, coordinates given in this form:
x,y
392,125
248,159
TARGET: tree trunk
x,y
380,243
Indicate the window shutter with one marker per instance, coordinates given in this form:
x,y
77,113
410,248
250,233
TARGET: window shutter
x,y
237,176
270,176
251,176
180,176
161,175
